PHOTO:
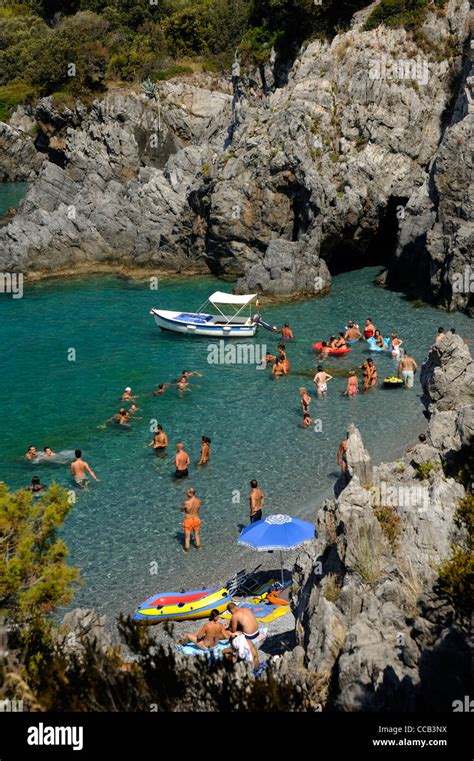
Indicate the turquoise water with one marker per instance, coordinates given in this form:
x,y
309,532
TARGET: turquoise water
x,y
131,519
11,194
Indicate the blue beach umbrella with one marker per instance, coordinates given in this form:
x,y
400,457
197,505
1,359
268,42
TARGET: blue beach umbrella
x,y
277,532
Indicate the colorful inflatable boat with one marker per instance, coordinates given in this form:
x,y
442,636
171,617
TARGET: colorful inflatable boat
x,y
334,352
173,606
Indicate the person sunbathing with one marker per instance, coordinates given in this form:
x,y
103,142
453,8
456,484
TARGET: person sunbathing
x,y
209,635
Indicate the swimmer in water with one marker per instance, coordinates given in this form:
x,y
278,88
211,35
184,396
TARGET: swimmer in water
x,y
269,358
286,332
122,418
352,332
305,400
205,450
395,345
160,390
379,339
48,452
132,409
159,441
80,469
186,375
182,384
307,420
340,341
321,379
32,453
36,486
352,388
284,360
369,328
278,368
181,462
127,395
369,369
325,349
332,342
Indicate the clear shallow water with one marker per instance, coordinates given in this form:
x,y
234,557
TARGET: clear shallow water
x,y
131,518
11,194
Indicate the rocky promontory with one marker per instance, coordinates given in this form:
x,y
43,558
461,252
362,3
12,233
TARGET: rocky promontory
x,y
275,181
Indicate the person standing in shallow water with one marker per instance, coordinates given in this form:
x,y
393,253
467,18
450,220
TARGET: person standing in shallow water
x,y
181,462
257,498
191,520
407,368
205,450
80,468
342,456
369,369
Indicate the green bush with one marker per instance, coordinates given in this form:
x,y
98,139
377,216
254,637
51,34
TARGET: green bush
x,y
13,95
423,470
390,524
456,576
395,13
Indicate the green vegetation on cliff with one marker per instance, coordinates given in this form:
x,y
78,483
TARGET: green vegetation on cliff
x,y
79,47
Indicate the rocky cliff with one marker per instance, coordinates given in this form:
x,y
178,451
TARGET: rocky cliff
x,y
273,183
372,629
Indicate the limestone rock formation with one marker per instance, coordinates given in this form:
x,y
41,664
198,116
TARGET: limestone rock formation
x,y
271,185
436,240
368,613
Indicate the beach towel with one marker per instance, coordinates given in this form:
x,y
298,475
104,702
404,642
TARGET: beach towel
x,y
212,653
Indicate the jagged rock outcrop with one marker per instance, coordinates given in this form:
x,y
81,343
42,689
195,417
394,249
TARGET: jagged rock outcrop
x,y
249,180
436,240
116,190
368,614
20,162
82,625
447,376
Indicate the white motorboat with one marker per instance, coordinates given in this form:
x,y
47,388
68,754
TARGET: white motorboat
x,y
218,325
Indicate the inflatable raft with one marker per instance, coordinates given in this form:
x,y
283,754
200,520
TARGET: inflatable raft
x,y
373,346
173,606
264,613
334,352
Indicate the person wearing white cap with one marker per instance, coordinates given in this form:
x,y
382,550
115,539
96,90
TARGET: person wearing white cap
x,y
127,394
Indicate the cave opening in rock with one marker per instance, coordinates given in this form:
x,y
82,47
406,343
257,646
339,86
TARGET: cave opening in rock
x,y
347,253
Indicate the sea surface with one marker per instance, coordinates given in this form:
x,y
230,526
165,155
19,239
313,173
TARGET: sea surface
x,y
11,194
70,347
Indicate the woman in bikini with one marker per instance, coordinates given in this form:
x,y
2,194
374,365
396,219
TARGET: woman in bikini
x,y
352,388
379,339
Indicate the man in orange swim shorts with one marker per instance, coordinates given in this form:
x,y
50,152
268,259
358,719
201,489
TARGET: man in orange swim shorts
x,y
191,520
